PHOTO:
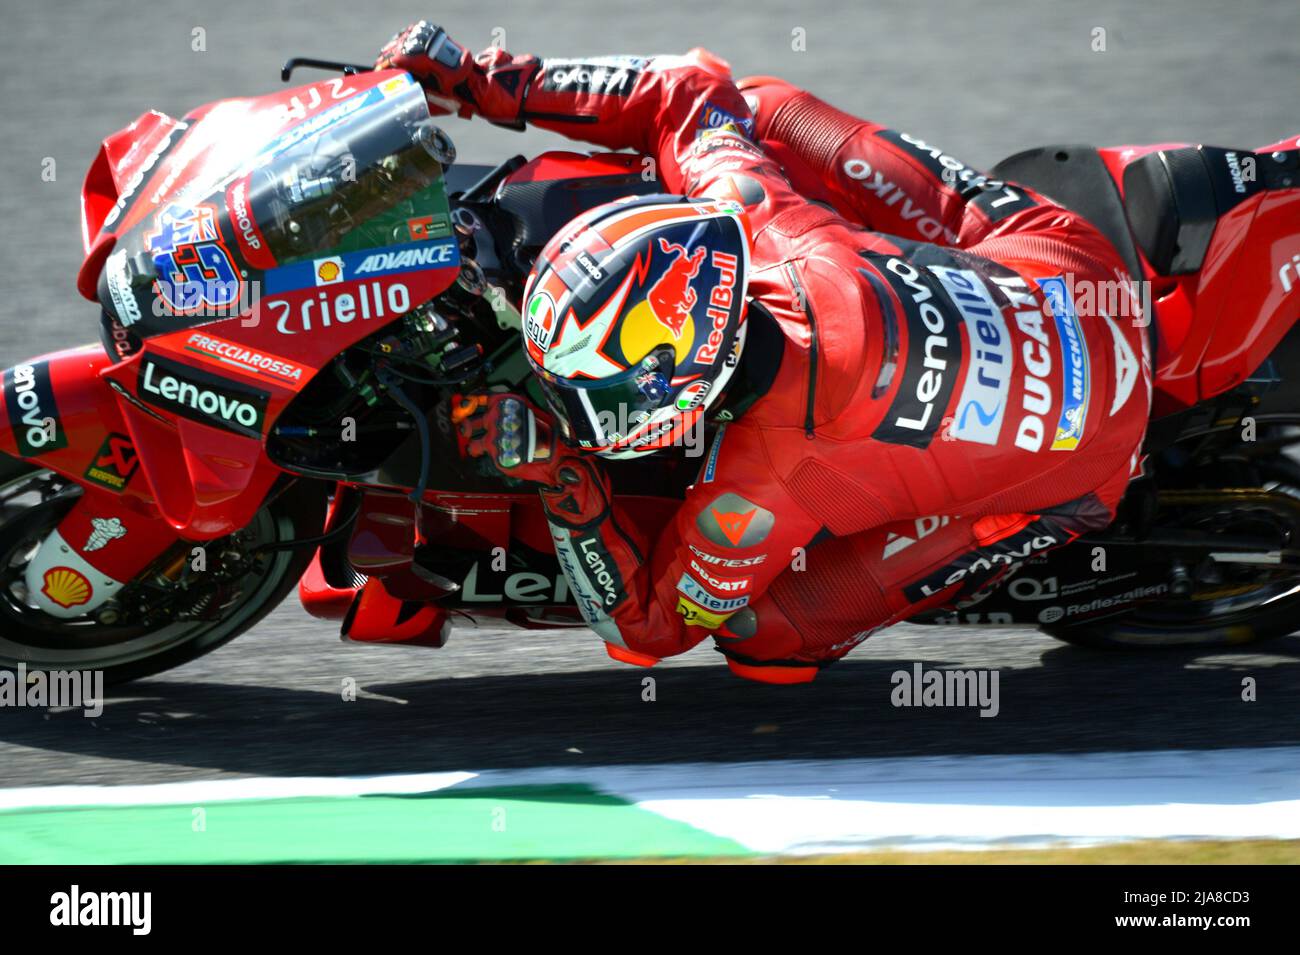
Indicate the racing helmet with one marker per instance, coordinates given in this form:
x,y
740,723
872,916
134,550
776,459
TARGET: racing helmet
x,y
634,319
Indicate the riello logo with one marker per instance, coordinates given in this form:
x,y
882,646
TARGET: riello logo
x,y
199,396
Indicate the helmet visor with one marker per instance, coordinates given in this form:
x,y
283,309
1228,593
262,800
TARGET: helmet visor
x,y
602,413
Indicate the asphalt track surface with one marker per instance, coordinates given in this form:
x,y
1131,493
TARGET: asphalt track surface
x,y
982,79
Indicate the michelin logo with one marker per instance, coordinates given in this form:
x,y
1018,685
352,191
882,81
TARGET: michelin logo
x,y
1074,400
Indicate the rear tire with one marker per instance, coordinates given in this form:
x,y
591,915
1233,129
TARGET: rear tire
x,y
1245,615
1125,633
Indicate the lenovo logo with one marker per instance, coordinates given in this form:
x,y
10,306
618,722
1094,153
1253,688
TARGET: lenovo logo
x,y
207,399
33,413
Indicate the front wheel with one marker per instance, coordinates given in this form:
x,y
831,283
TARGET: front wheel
x,y
169,615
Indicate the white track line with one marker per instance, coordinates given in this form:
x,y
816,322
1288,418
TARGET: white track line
x,y
969,801
199,792
799,807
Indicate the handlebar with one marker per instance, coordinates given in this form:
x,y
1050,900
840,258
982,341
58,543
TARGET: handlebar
x,y
334,66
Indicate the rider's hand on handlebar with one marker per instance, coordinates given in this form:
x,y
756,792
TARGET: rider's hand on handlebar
x,y
453,80
432,57
510,431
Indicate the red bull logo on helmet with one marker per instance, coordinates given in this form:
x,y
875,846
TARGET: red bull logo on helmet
x,y
671,298
721,299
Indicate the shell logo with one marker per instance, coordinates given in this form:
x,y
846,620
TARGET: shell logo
x,y
66,587
329,271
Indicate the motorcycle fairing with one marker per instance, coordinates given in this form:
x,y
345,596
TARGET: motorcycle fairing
x,y
331,199
99,546
326,202
1219,323
1243,337
281,204
215,144
56,412
113,181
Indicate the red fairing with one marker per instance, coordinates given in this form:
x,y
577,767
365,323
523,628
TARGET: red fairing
x,y
1218,324
204,481
553,165
161,179
123,163
58,412
321,599
99,520
1261,298
379,617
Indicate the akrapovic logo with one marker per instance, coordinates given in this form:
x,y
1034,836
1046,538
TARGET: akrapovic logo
x,y
33,415
207,399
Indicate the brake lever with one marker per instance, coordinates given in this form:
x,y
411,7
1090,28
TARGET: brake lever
x,y
334,66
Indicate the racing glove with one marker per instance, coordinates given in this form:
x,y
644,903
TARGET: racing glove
x,y
511,432
491,85
520,441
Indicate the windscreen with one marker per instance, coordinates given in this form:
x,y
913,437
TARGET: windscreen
x,y
281,211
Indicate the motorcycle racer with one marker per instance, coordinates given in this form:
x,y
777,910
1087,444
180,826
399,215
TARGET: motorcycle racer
x,y
910,398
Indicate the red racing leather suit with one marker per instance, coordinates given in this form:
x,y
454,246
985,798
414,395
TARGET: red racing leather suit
x,y
941,408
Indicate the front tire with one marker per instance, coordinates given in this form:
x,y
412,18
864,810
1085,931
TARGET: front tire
x,y
34,500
